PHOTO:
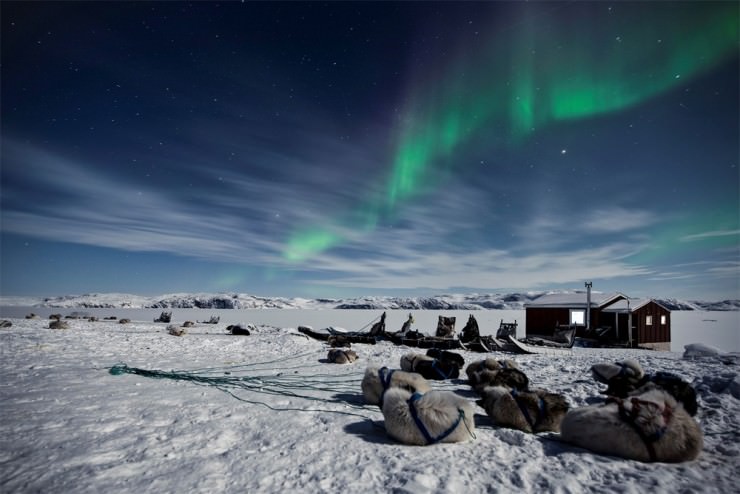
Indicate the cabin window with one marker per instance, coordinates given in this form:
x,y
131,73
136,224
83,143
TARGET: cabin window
x,y
648,320
663,320
577,317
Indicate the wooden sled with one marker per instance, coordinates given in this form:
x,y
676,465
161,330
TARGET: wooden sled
x,y
325,333
424,341
543,349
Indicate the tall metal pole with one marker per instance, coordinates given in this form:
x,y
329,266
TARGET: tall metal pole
x,y
588,305
629,323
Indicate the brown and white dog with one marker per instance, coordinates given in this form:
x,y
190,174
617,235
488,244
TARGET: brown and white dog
x,y
377,381
627,378
528,411
492,372
341,356
651,426
432,417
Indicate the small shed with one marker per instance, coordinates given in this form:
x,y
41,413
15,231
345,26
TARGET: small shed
x,y
550,312
650,323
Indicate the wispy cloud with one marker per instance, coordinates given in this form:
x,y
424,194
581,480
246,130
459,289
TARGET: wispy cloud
x,y
710,234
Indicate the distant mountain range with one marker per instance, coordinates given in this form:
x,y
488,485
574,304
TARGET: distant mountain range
x,y
493,301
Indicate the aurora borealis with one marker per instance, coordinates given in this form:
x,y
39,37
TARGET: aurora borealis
x,y
542,85
352,148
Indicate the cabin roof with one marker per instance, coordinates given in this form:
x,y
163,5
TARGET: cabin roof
x,y
574,300
634,304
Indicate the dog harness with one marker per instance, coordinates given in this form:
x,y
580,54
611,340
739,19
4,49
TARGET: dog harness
x,y
423,429
440,372
541,412
630,417
385,374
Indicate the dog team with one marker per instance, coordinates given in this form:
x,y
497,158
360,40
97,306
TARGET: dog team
x,y
644,417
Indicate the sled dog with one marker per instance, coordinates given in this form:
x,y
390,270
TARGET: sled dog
x,y
432,417
528,411
651,426
378,380
341,356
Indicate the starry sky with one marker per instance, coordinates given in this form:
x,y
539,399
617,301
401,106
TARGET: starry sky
x,y
337,149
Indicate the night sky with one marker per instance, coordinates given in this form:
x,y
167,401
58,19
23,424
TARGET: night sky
x,y
381,148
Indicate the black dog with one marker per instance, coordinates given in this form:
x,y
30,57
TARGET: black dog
x,y
453,357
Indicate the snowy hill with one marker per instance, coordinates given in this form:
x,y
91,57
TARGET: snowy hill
x,y
491,301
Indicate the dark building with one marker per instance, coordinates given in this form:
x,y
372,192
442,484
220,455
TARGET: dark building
x,y
608,318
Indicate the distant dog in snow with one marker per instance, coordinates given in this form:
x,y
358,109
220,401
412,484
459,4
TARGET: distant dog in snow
x,y
492,372
378,380
432,417
342,356
238,329
627,378
528,411
429,367
57,324
175,330
652,426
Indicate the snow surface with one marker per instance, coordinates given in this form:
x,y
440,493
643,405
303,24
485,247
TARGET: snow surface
x,y
297,423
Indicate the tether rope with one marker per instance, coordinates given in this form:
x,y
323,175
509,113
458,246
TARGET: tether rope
x,y
280,384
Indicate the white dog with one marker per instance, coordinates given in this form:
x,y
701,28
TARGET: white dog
x,y
651,426
432,417
378,380
528,411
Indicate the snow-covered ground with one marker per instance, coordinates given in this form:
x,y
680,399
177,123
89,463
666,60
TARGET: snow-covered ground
x,y
296,422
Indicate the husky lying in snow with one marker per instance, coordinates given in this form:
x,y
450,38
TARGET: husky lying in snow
x,y
176,330
238,329
432,417
429,367
651,426
492,372
453,357
627,378
341,356
379,380
528,411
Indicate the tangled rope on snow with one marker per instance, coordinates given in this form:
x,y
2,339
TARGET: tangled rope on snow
x,y
261,381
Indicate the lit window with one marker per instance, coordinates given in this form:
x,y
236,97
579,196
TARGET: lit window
x,y
663,320
577,317
648,320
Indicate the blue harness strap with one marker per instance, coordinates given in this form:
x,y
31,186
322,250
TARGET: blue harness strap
x,y
540,409
385,374
440,372
423,429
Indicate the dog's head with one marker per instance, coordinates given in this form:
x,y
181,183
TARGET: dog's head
x,y
679,389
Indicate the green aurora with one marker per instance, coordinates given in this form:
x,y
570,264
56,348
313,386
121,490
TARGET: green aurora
x,y
535,72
